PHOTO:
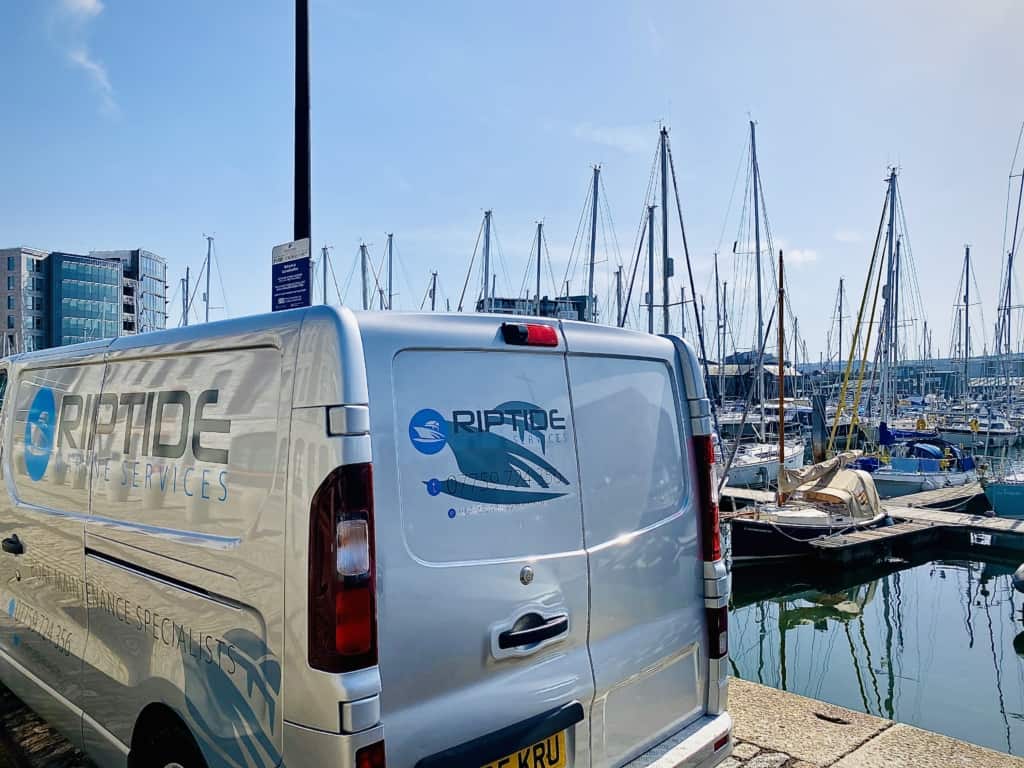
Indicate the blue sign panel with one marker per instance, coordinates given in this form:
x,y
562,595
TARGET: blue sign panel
x,y
291,276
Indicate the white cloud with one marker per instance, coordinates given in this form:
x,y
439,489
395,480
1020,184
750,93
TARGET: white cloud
x,y
800,256
631,139
848,236
82,7
76,16
80,57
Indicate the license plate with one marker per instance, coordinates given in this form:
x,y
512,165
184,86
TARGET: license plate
x,y
547,753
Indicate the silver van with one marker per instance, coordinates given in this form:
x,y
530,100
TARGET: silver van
x,y
363,540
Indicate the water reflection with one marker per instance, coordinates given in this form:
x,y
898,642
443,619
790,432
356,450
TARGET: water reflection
x,y
938,644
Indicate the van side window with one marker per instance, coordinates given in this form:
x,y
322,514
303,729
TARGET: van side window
x,y
3,388
630,452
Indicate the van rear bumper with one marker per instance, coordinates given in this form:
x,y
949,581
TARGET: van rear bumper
x,y
309,746
692,747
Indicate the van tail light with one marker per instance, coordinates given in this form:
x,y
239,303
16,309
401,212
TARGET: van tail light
x,y
718,631
530,334
371,756
707,484
342,597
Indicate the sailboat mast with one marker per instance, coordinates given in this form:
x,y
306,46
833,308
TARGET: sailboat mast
x,y
618,296
840,321
184,298
591,299
433,290
362,272
782,377
682,310
718,314
722,344
1009,263
540,242
323,256
391,252
757,263
895,319
487,260
666,269
967,315
650,269
206,296
887,312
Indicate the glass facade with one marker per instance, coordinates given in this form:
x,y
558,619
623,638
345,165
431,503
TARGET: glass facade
x,y
152,300
85,299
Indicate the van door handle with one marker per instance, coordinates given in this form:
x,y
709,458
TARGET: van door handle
x,y
12,545
547,629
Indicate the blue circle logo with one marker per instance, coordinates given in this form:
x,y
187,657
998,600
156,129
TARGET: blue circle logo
x,y
39,431
428,431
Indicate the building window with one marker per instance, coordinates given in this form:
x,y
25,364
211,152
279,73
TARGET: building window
x,y
10,321
12,264
40,284
12,283
39,323
10,302
28,322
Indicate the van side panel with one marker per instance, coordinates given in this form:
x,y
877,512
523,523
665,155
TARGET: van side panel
x,y
185,545
43,626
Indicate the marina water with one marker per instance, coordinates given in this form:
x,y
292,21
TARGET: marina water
x,y
939,645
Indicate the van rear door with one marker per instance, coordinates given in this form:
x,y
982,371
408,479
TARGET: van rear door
x,y
647,626
483,607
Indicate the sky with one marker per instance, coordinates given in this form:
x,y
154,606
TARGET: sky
x,y
141,124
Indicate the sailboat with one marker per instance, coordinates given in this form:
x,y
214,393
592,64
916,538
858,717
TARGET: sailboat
x,y
756,463
811,502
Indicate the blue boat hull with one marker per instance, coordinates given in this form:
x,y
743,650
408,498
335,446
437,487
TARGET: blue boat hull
x,y
1007,499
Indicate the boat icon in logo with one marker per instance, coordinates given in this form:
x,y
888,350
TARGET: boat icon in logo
x,y
39,428
428,431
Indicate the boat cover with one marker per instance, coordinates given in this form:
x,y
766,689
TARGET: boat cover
x,y
791,479
830,482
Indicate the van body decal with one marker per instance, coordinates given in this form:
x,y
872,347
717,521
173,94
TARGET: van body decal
x,y
494,468
39,427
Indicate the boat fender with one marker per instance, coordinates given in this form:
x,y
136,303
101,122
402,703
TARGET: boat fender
x,y
1018,578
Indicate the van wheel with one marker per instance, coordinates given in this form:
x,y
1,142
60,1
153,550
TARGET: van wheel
x,y
170,746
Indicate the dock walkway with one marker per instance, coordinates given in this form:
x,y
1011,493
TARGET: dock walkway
x,y
776,729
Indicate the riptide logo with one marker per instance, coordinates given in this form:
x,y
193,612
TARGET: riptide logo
x,y
428,431
39,429
500,452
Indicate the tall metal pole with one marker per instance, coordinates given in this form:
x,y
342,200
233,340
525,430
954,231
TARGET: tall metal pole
x,y
184,297
666,270
362,272
1009,262
323,257
391,252
896,310
618,296
887,311
967,315
433,290
682,310
487,259
303,207
650,269
540,247
782,376
757,263
840,358
206,296
724,345
591,299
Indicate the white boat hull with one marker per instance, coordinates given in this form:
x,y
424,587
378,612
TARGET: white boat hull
x,y
746,473
893,484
